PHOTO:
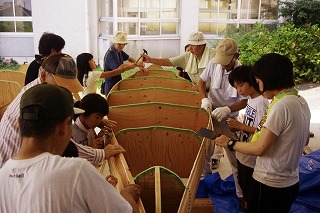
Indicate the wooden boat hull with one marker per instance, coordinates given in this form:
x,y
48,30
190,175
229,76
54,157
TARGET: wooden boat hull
x,y
153,129
173,148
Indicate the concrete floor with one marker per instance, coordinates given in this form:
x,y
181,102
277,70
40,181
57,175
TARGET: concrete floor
x,y
311,92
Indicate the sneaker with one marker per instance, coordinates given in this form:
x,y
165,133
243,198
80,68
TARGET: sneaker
x,y
215,163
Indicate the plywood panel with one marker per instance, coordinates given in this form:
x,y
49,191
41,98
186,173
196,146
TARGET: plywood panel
x,y
171,188
155,94
13,76
158,114
163,73
175,149
153,81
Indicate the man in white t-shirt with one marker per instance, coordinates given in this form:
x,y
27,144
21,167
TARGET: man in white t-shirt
x,y
222,98
37,179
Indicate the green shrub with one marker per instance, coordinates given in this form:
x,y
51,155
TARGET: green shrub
x,y
301,45
8,64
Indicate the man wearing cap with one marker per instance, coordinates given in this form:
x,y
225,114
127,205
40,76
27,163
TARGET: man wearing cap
x,y
114,58
222,98
58,69
37,179
193,62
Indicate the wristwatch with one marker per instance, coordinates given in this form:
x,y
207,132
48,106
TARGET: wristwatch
x,y
231,144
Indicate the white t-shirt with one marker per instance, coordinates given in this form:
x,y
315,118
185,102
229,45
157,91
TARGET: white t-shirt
x,y
90,85
289,119
221,93
255,110
50,183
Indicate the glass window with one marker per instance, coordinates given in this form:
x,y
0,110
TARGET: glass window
x,y
142,17
6,26
219,16
15,16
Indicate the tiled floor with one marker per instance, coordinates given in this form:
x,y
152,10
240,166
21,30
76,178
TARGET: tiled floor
x,y
311,93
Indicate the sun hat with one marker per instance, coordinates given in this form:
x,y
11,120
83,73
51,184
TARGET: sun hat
x,y
225,51
55,102
64,69
196,38
120,37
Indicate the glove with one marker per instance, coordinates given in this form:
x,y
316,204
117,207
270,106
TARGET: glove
x,y
205,104
220,113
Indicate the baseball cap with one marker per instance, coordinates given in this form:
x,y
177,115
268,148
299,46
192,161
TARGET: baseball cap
x,y
64,69
120,37
225,51
196,38
55,102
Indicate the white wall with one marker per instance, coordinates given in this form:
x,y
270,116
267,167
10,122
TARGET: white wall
x,y
189,15
69,19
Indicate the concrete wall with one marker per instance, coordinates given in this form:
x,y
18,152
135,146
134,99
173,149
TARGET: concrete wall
x,y
74,20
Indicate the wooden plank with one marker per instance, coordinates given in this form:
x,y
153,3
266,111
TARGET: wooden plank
x,y
171,189
158,114
8,92
157,189
187,200
163,73
153,81
119,168
154,94
202,205
173,148
13,76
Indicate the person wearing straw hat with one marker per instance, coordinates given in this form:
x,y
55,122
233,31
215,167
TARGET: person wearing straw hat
x,y
193,62
37,179
114,58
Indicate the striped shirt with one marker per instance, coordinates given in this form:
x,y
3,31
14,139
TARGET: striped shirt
x,y
10,138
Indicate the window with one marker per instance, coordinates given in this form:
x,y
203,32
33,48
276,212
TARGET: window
x,y
140,18
15,16
216,17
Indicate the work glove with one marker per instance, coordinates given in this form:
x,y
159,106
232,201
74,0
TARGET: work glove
x,y
220,113
205,104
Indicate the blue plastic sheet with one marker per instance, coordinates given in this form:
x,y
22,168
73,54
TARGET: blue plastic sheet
x,y
223,192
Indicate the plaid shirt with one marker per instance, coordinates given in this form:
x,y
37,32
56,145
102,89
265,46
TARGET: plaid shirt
x,y
10,138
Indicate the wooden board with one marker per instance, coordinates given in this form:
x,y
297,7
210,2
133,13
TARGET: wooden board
x,y
158,114
118,167
173,148
153,81
163,73
16,76
187,201
154,94
8,92
164,181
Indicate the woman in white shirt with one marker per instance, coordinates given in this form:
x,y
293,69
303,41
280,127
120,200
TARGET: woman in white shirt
x,y
89,78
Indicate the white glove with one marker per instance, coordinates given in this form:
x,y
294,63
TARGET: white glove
x,y
220,113
205,104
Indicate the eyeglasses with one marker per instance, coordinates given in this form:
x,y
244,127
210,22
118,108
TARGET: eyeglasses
x,y
122,44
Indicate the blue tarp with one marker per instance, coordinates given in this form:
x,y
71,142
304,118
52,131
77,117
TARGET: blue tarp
x,y
223,193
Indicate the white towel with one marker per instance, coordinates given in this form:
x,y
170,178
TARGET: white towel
x,y
193,65
217,78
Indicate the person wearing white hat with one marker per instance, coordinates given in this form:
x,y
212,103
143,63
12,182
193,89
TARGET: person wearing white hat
x,y
193,62
114,58
222,100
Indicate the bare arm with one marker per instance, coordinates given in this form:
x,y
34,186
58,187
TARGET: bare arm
x,y
257,148
118,70
131,193
202,88
131,60
158,61
238,105
234,124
